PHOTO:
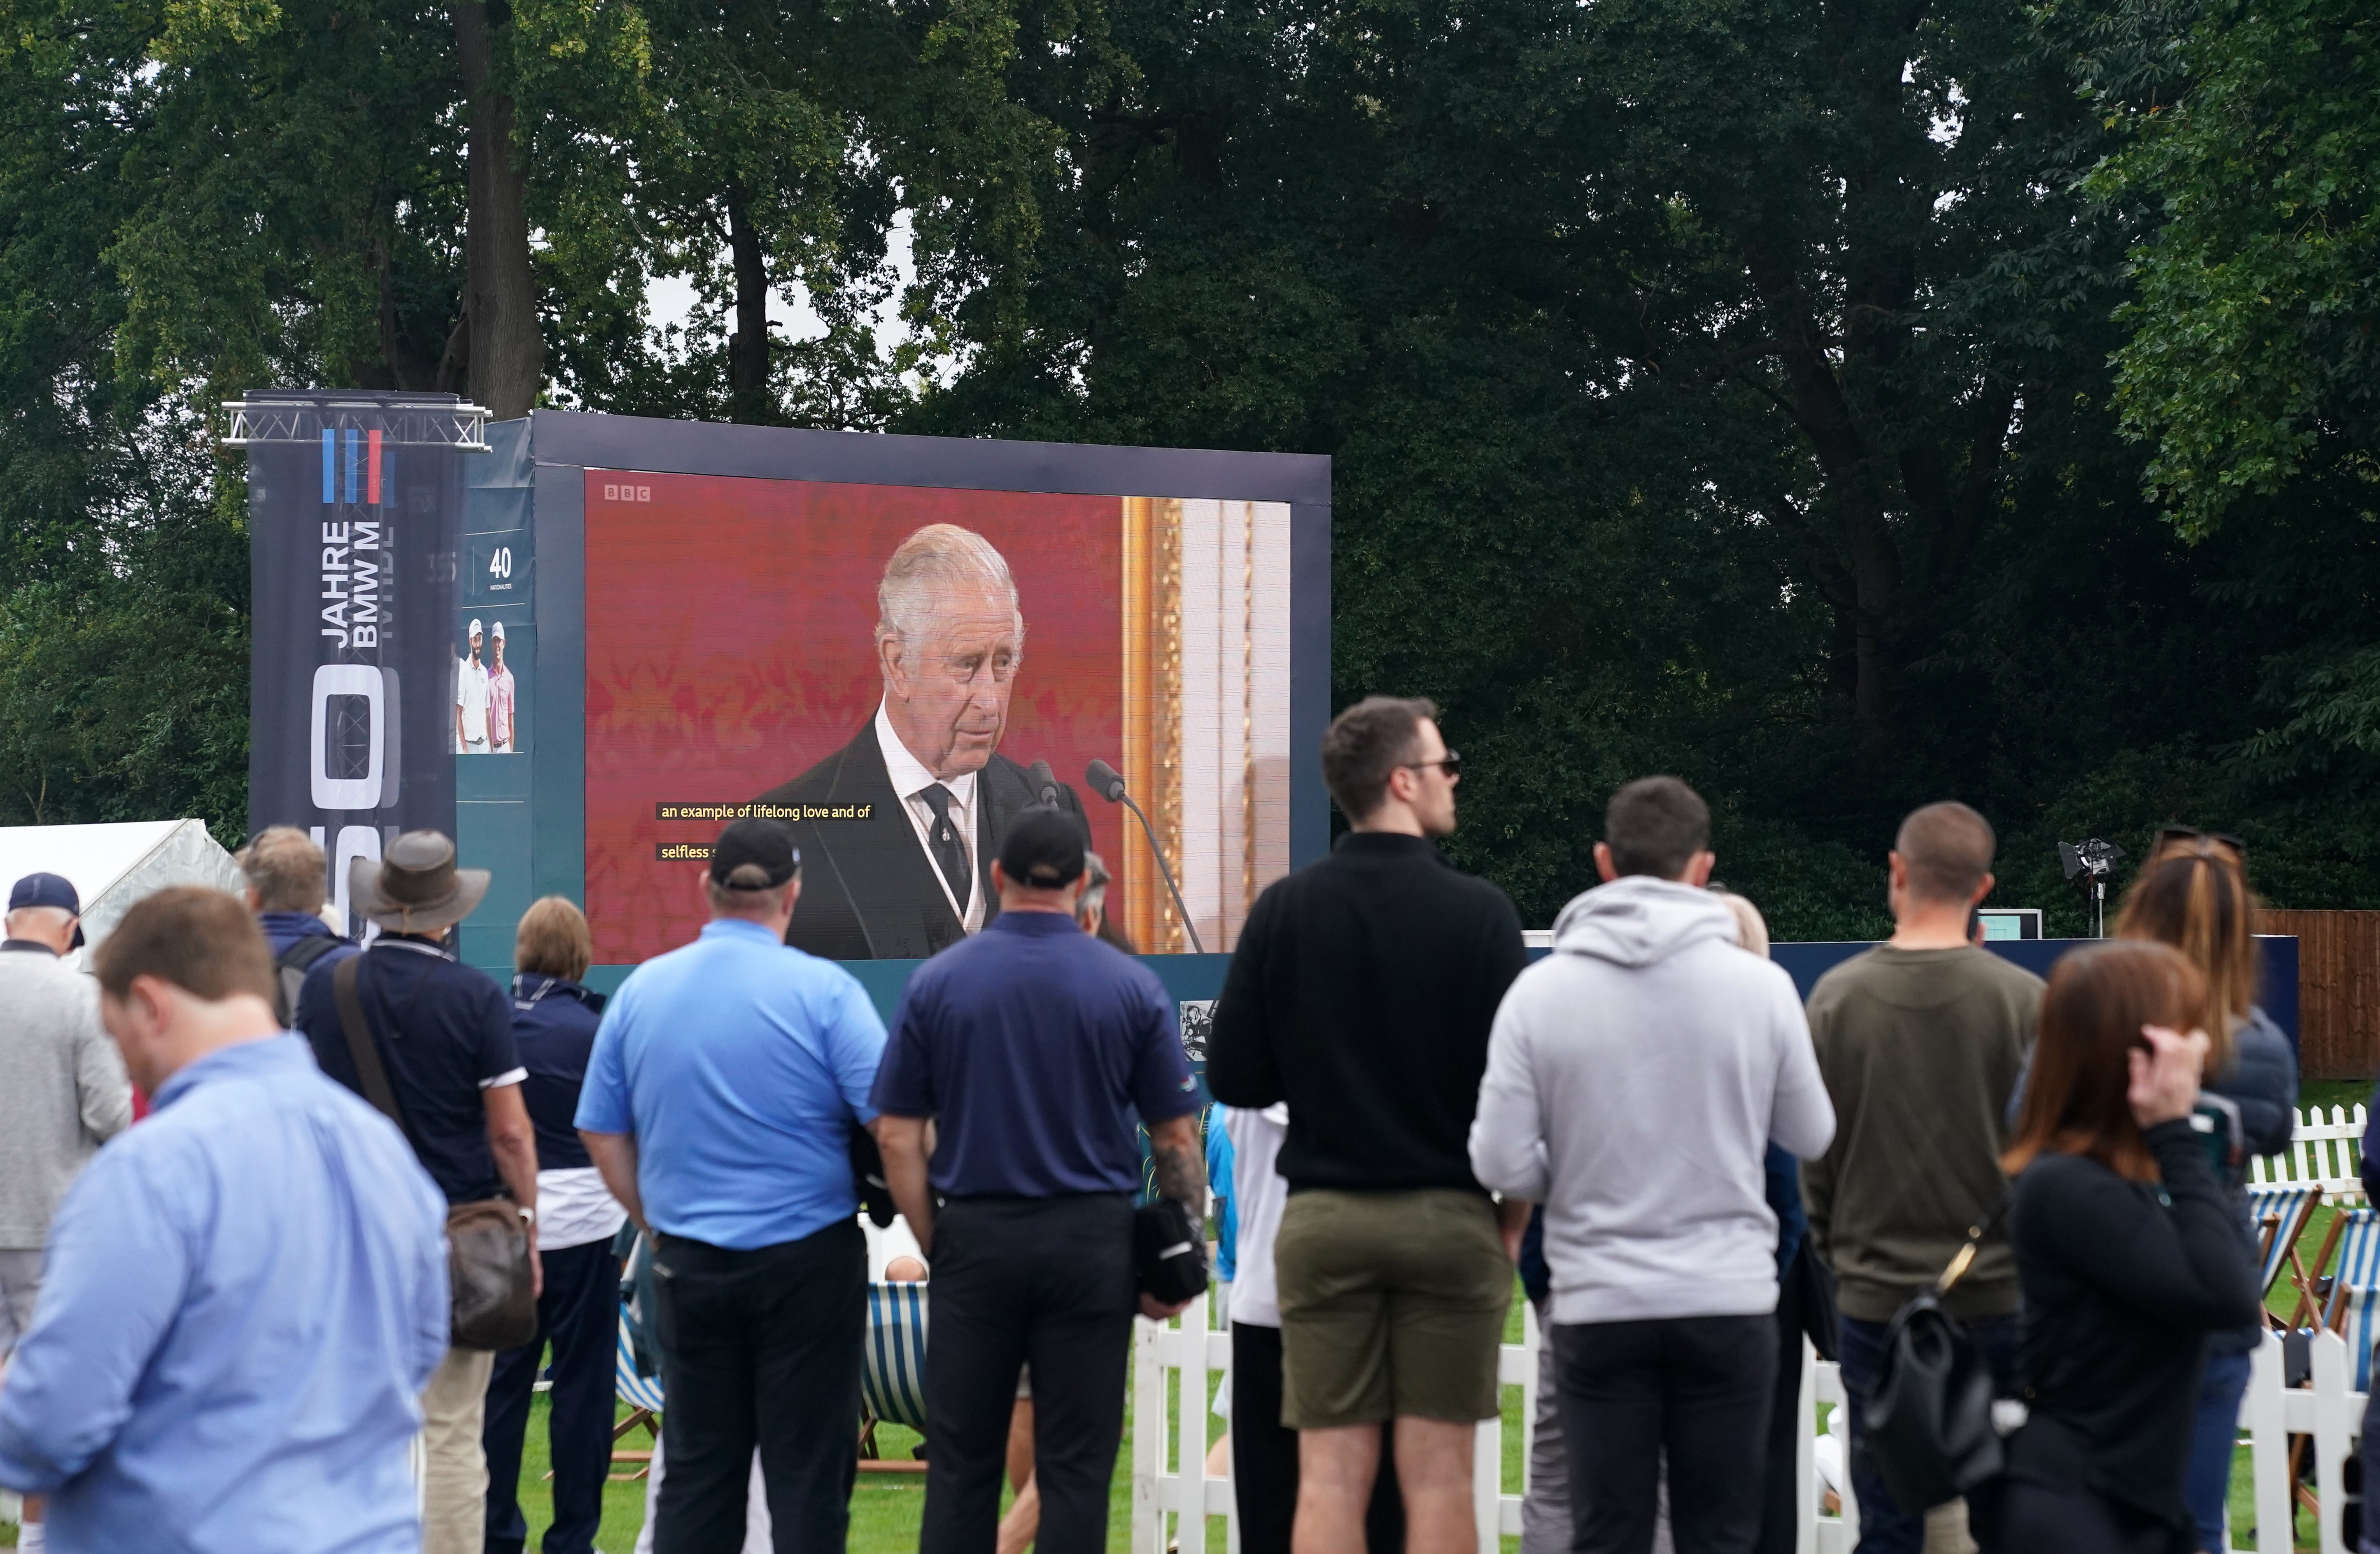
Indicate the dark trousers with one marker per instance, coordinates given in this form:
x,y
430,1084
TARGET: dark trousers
x,y
1697,1387
1780,1502
1047,1281
1264,1456
1885,1528
2008,1517
760,1349
579,1313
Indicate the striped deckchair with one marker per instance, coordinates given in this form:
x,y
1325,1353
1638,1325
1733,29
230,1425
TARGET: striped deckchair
x,y
2349,1307
2354,1298
2280,1214
892,1367
643,1396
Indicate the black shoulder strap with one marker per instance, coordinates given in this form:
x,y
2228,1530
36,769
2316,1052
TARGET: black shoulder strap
x,y
307,951
290,967
361,1050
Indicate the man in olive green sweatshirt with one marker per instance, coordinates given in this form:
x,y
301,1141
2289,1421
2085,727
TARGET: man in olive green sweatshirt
x,y
1920,1042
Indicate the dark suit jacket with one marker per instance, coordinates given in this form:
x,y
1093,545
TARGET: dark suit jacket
x,y
868,890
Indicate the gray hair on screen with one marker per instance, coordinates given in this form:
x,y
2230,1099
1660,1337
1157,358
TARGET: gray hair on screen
x,y
928,564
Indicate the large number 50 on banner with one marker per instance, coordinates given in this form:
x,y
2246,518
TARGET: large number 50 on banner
x,y
354,502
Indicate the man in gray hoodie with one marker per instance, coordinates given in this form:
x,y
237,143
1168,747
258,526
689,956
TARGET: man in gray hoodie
x,y
1635,1077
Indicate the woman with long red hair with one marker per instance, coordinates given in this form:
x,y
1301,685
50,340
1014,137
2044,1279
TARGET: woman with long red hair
x,y
2128,1253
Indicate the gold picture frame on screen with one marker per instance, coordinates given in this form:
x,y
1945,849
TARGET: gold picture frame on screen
x,y
1206,634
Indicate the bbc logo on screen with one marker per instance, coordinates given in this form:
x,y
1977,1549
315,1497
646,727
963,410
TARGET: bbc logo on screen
x,y
627,493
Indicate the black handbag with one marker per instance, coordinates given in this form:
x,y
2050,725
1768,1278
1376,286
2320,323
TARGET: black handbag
x,y
494,1303
1169,1255
1929,1416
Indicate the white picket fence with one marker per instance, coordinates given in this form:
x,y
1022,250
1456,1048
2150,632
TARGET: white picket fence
x,y
1176,1366
2328,1151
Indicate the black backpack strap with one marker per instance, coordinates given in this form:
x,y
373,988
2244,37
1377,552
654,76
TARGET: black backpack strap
x,y
364,1053
307,951
293,963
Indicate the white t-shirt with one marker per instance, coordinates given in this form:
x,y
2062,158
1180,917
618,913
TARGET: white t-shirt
x,y
575,1207
1257,1193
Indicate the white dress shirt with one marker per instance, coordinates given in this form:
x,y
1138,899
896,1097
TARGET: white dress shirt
x,y
910,780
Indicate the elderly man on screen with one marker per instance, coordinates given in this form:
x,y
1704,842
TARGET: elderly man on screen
x,y
916,804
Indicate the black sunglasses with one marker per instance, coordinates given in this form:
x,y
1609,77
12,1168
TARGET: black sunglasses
x,y
1451,762
2183,836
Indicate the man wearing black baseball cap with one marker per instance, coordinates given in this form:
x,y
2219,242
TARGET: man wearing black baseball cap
x,y
1032,1046
63,1092
726,1080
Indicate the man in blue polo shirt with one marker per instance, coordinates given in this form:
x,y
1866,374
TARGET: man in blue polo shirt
x,y
727,1079
1031,1047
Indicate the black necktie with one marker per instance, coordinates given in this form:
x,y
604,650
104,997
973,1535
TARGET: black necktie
x,y
949,851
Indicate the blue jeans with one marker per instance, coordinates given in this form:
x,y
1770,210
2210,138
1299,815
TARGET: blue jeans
x,y
1885,1528
2206,1477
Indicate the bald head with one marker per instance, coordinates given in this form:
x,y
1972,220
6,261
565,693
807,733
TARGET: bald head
x,y
1947,849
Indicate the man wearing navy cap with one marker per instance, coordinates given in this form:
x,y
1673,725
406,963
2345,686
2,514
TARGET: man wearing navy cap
x,y
727,1079
63,1094
1032,1047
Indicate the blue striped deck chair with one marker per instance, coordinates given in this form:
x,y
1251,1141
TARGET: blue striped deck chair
x,y
892,1367
2348,1309
2354,1300
2280,1214
643,1396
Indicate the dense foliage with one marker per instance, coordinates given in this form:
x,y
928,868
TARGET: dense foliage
x,y
1839,404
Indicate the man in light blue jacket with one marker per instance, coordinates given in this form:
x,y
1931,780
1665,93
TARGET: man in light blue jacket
x,y
244,1294
1635,1077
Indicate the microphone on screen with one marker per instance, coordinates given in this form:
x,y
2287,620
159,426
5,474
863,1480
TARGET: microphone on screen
x,y
1045,783
1108,782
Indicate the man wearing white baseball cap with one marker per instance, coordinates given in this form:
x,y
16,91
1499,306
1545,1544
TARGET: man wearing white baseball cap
x,y
501,731
471,700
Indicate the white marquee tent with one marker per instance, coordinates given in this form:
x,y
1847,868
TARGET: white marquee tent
x,y
114,865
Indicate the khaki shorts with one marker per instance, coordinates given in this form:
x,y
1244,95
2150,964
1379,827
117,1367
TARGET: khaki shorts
x,y
1390,1303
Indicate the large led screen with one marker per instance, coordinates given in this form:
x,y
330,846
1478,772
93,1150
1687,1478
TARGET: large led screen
x,y
880,667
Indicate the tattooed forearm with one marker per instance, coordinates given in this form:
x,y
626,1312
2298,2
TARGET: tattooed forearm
x,y
1180,1166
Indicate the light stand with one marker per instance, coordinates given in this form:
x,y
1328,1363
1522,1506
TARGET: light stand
x,y
2088,864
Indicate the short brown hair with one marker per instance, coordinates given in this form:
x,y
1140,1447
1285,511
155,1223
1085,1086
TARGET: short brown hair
x,y
1655,825
2196,899
201,940
2077,1102
1367,743
552,939
285,869
1947,848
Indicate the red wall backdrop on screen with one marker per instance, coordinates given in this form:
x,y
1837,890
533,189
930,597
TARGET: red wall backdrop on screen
x,y
730,627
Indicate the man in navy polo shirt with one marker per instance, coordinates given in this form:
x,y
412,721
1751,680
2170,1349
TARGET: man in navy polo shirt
x,y
444,1032
727,1079
1030,1047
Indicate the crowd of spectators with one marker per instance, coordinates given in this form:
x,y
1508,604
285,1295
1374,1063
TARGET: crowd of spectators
x,y
305,1305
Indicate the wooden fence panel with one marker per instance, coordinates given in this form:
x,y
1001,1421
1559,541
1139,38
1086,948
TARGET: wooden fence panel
x,y
2338,990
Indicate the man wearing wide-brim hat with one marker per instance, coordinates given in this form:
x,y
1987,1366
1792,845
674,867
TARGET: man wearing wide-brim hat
x,y
444,1034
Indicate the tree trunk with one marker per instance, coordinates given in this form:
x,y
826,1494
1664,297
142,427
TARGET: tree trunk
x,y
507,352
747,348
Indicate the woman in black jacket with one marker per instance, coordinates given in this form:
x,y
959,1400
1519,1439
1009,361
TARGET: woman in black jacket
x,y
2129,1255
2193,894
